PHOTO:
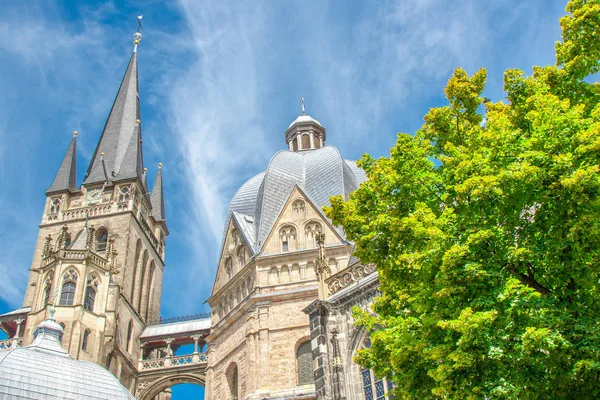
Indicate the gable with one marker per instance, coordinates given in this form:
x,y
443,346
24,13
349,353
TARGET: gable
x,y
298,222
235,253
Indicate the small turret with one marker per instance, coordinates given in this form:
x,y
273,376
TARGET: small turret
x,y
66,176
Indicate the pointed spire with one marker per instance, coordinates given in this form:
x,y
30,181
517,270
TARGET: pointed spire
x,y
121,138
157,198
66,177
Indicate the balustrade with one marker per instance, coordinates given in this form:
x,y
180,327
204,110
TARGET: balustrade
x,y
348,276
172,361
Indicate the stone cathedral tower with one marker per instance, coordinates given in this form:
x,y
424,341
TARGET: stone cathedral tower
x,y
100,249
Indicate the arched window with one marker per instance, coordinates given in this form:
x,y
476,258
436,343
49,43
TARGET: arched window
x,y
299,209
287,235
67,295
140,284
150,291
310,230
90,292
129,336
374,387
304,363
295,144
102,236
232,378
305,142
317,142
229,268
124,194
84,341
55,205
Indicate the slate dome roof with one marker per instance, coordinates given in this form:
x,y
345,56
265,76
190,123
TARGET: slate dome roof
x,y
44,370
320,173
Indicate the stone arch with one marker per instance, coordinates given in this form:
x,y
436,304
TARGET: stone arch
x,y
295,273
288,239
152,389
284,274
273,276
295,144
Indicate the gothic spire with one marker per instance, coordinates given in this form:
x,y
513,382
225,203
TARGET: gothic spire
x,y
66,176
121,137
157,198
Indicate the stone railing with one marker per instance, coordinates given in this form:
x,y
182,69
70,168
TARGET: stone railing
x,y
8,344
78,213
77,255
172,362
348,276
183,318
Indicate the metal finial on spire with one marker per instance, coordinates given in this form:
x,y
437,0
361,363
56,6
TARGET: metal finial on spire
x,y
137,37
303,109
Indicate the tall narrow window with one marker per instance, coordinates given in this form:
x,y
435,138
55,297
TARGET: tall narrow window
x,y
102,239
375,388
136,259
304,362
229,268
242,257
232,377
90,293
84,341
129,335
67,295
286,235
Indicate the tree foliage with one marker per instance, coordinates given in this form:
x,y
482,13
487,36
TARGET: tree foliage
x,y
485,227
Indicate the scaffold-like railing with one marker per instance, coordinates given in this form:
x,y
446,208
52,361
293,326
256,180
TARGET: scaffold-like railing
x,y
162,321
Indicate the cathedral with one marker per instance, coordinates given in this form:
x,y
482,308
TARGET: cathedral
x,y
281,322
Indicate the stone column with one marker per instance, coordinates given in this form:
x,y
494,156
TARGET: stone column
x,y
299,140
291,145
264,367
312,139
18,321
318,315
169,351
321,140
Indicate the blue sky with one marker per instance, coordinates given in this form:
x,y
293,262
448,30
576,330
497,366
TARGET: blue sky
x,y
220,82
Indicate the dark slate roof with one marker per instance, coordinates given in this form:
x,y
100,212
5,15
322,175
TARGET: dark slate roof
x,y
121,138
320,173
157,198
66,177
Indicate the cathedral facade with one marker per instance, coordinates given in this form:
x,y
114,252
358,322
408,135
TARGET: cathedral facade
x,y
281,305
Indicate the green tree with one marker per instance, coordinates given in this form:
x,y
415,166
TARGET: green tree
x,y
485,227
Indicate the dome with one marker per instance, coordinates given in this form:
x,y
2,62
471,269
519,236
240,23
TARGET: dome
x,y
320,173
44,370
304,119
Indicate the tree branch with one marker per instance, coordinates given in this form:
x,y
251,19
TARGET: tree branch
x,y
528,279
